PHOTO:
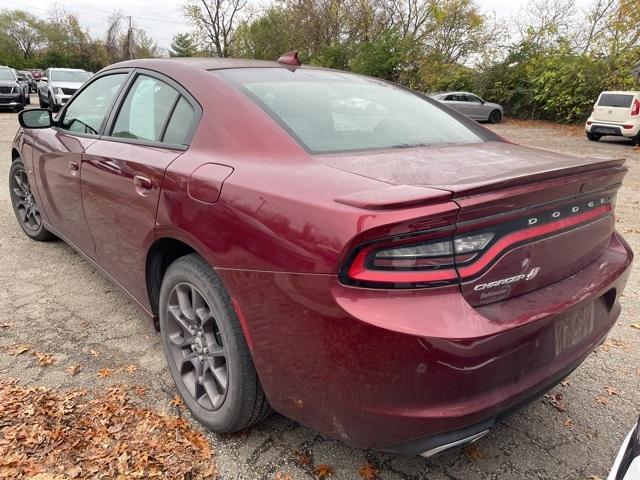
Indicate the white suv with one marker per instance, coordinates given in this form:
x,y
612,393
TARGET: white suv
x,y
615,113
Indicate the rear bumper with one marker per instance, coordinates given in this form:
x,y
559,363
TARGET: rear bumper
x,y
615,130
408,371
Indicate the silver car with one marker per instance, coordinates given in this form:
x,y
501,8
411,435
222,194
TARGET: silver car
x,y
58,85
471,105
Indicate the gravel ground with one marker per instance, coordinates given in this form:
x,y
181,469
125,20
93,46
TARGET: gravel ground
x,y
56,302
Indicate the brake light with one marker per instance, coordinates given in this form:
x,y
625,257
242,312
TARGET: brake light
x,y
413,261
627,127
635,109
589,122
437,258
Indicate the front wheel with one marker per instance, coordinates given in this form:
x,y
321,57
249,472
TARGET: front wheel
x,y
24,205
495,116
594,137
20,106
206,350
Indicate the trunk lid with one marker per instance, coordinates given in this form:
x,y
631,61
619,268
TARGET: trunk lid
x,y
613,107
550,214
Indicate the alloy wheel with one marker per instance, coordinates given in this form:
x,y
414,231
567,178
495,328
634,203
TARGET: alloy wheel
x,y
24,202
196,346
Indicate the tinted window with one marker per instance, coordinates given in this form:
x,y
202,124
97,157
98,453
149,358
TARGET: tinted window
x,y
473,98
615,100
180,124
145,110
69,76
333,111
88,110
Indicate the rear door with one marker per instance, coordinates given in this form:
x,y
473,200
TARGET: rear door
x,y
475,107
57,155
613,107
123,171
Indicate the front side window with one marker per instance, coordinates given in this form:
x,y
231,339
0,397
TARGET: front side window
x,y
336,112
89,109
145,110
473,98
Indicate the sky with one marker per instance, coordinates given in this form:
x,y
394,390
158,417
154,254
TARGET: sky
x,y
162,19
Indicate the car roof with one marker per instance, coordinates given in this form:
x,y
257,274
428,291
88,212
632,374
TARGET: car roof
x,y
202,63
621,92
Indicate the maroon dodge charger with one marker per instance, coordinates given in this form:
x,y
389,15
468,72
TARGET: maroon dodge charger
x,y
342,250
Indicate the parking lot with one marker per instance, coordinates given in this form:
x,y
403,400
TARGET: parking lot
x,y
53,299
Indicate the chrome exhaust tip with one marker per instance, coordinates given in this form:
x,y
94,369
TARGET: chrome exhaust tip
x,y
453,445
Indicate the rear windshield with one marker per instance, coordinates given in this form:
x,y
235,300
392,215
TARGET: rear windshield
x,y
615,100
337,112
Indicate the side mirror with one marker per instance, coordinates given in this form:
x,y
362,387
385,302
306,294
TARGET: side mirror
x,y
44,79
35,118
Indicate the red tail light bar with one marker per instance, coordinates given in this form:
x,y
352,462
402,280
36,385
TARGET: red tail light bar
x,y
429,259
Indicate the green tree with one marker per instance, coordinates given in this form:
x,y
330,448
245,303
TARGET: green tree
x,y
183,45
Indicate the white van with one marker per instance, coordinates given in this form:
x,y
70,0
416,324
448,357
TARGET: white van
x,y
615,113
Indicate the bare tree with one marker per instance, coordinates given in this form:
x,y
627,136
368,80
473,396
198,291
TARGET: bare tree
x,y
544,22
217,20
594,24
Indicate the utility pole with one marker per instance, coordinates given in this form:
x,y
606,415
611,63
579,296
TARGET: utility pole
x,y
130,40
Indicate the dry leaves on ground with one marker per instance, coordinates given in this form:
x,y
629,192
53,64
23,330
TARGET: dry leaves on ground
x,y
19,349
44,359
611,390
323,471
46,432
614,343
73,369
106,372
556,401
368,472
282,476
472,452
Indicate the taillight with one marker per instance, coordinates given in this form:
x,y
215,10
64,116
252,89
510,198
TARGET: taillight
x,y
413,261
437,258
635,109
627,127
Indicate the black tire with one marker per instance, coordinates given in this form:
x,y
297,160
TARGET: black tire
x,y
24,206
495,116
243,401
594,137
51,104
28,98
20,106
42,104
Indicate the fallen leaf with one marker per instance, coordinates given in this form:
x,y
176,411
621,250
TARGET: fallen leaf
x,y
6,325
140,391
302,458
592,434
282,476
19,349
105,372
611,390
569,424
566,383
633,325
594,477
176,401
73,369
472,452
323,471
130,369
602,400
94,353
44,359
368,472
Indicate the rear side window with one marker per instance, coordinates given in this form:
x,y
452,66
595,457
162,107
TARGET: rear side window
x,y
179,125
329,111
145,110
615,100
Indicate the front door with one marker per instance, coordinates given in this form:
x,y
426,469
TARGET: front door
x,y
57,156
122,174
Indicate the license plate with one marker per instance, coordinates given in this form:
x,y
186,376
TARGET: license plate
x,y
607,131
574,328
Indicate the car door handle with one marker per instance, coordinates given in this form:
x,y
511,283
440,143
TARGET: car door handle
x,y
74,167
142,184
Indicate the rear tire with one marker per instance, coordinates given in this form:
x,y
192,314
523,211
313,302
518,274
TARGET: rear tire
x,y
24,206
594,137
206,350
495,116
42,104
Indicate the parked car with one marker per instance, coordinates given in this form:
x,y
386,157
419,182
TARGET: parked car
x,y
471,105
627,463
354,255
616,114
11,92
33,84
58,85
24,85
37,73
